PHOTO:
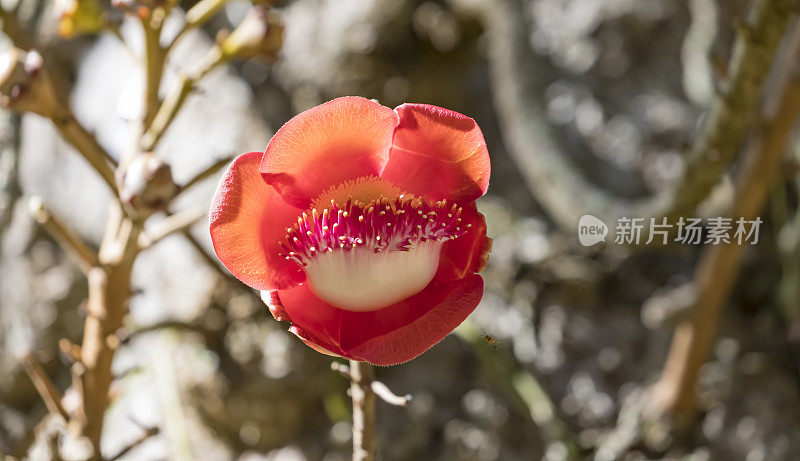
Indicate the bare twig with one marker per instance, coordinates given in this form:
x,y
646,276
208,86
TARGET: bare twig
x,y
207,172
154,59
109,292
26,69
198,15
210,260
70,350
342,369
52,442
9,22
73,245
86,145
386,394
165,325
47,390
172,105
364,441
172,224
141,439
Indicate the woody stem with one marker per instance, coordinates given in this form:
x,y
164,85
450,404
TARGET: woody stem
x,y
364,441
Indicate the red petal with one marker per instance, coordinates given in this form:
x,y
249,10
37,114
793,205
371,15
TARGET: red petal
x,y
248,218
469,253
273,302
302,335
343,139
388,336
437,153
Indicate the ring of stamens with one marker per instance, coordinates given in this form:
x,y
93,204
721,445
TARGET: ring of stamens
x,y
364,257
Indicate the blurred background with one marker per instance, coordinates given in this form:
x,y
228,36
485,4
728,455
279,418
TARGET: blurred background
x,y
582,103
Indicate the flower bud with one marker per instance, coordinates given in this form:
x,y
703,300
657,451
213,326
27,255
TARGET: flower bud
x,y
146,184
259,35
79,17
25,85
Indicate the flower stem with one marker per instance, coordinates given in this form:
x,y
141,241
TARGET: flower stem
x,y
364,442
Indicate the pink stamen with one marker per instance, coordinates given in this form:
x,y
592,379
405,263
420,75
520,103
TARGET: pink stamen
x,y
385,224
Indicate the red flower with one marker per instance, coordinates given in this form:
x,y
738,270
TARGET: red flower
x,y
359,225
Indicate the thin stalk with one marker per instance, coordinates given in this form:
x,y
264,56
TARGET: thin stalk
x,y
154,58
364,441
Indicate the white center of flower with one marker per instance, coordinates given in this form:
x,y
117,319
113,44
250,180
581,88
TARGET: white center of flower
x,y
366,257
362,280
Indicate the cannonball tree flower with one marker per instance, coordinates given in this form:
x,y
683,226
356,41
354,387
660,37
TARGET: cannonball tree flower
x,y
359,225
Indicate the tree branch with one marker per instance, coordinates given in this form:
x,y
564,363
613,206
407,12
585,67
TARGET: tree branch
x,y
172,105
9,22
47,390
86,144
70,350
209,171
142,438
154,59
26,85
174,223
198,15
73,245
210,260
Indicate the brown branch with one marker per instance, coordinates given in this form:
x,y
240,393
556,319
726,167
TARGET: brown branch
x,y
719,265
210,260
9,22
109,293
172,105
47,390
86,145
154,60
207,172
172,224
142,438
68,240
70,350
52,442
26,85
166,325
198,15
364,440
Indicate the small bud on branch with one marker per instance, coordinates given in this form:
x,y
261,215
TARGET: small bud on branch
x,y
25,85
146,184
259,35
